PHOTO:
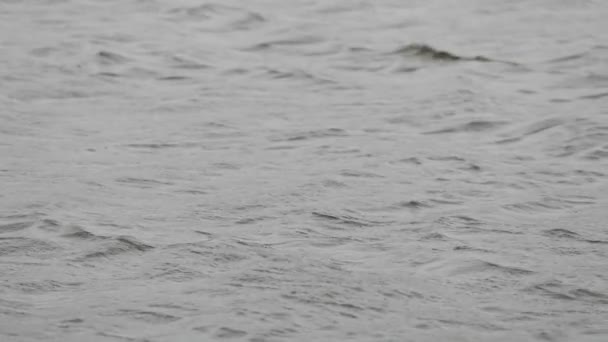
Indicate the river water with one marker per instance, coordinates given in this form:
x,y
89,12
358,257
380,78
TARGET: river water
x,y
304,170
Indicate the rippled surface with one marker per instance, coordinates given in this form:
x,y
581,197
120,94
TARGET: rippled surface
x,y
304,170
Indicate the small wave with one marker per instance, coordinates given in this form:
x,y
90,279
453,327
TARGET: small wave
x,y
131,72
413,204
296,41
155,146
596,96
116,37
447,158
45,286
330,183
359,174
348,7
117,246
251,220
343,219
218,17
229,333
142,182
580,57
214,252
446,202
463,248
152,317
296,75
568,58
199,12
50,225
111,58
411,160
459,221
598,154
558,290
26,246
466,225
463,266
435,237
430,53
315,134
248,21
13,227
321,298
174,78
44,51
186,63
473,126
561,233
576,177
532,129
76,232
579,145
543,205
347,219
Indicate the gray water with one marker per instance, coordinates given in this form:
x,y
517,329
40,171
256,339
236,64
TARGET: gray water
x,y
304,170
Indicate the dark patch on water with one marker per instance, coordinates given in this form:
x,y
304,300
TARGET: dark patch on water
x,y
111,58
304,40
473,126
430,53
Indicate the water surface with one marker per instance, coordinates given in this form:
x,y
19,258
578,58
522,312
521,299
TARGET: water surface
x,y
304,170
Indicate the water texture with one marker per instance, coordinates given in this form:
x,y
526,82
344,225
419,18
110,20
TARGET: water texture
x,y
304,170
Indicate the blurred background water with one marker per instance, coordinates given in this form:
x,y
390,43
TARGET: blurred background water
x,y
304,170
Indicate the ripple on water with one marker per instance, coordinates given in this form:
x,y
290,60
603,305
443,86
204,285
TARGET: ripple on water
x,y
430,53
13,227
215,17
456,267
348,218
562,291
152,317
473,126
115,247
31,247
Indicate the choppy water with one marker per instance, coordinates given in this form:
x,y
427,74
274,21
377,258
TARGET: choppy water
x,y
304,170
